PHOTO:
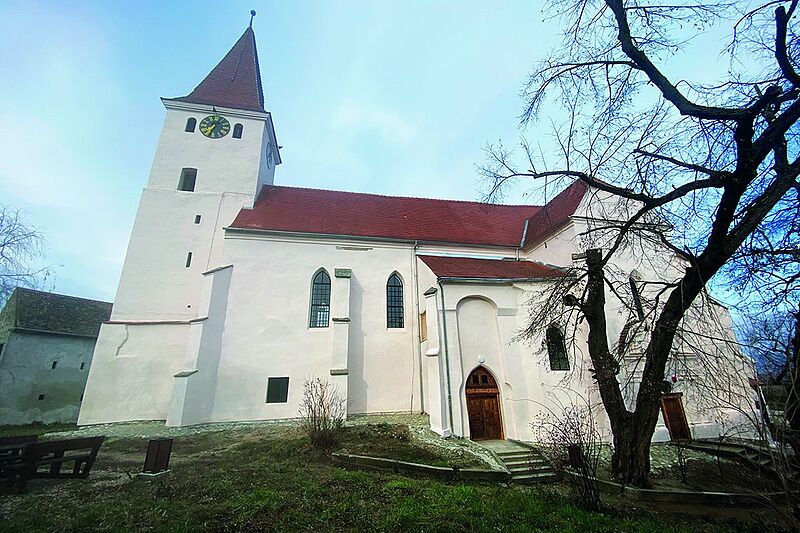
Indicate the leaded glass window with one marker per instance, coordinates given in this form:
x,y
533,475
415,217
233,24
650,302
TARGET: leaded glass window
x,y
556,349
394,302
320,300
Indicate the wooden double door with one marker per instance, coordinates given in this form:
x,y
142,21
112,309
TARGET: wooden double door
x,y
483,406
675,417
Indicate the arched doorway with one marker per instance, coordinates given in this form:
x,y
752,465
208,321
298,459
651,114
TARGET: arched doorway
x,y
483,405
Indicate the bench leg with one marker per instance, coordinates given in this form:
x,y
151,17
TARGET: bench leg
x,y
55,468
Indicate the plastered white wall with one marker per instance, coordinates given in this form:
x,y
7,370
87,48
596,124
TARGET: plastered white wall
x,y
131,373
267,332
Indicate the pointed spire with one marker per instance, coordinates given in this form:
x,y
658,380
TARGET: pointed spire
x,y
236,80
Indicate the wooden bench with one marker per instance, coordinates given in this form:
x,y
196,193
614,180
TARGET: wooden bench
x,y
11,449
46,460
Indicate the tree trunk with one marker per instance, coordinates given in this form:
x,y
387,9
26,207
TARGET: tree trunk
x,y
793,402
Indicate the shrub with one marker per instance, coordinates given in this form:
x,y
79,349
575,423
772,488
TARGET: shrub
x,y
322,413
570,439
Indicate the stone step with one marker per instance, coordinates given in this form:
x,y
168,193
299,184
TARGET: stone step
x,y
521,470
526,462
522,454
534,477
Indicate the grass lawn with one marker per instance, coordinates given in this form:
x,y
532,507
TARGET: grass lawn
x,y
267,478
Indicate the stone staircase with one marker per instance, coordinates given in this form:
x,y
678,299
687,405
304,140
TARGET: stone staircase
x,y
524,462
755,456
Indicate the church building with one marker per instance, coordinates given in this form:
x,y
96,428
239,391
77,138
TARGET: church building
x,y
236,290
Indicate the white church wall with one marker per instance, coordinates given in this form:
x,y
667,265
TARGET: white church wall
x,y
156,284
131,373
267,332
710,411
194,388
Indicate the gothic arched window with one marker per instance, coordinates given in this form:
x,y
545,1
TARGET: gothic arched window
x,y
190,125
237,131
637,297
320,300
556,348
394,302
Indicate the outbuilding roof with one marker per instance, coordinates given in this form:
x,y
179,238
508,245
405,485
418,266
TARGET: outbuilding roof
x,y
54,313
472,268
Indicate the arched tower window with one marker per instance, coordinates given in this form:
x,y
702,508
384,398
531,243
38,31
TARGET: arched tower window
x,y
556,348
394,302
190,125
237,131
320,300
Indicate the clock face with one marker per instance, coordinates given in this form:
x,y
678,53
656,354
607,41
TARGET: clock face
x,y
215,126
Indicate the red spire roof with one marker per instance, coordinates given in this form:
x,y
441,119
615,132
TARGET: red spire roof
x,y
235,81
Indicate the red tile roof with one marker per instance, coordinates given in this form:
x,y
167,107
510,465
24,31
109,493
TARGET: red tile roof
x,y
369,215
555,213
235,81
467,267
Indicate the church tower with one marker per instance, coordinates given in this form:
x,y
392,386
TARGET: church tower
x,y
216,151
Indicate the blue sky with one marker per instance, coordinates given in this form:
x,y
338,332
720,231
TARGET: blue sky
x,y
371,96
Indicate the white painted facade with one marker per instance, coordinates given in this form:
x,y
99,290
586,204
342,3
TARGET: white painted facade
x,y
197,344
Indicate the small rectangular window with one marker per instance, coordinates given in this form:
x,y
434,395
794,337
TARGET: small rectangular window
x,y
55,363
41,397
197,219
81,398
188,179
277,390
188,259
423,326
83,365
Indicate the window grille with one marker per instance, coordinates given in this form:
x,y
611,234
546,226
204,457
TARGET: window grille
x,y
320,300
394,302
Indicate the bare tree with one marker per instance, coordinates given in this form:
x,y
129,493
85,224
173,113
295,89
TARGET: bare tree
x,y
697,169
20,246
322,412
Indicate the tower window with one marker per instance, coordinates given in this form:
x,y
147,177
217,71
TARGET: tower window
x,y
55,363
197,219
190,125
394,302
41,397
188,179
83,365
237,131
188,259
320,300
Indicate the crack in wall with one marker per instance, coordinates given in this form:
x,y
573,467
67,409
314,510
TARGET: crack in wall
x,y
124,340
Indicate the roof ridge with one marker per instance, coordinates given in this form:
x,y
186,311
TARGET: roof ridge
x,y
474,202
27,289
